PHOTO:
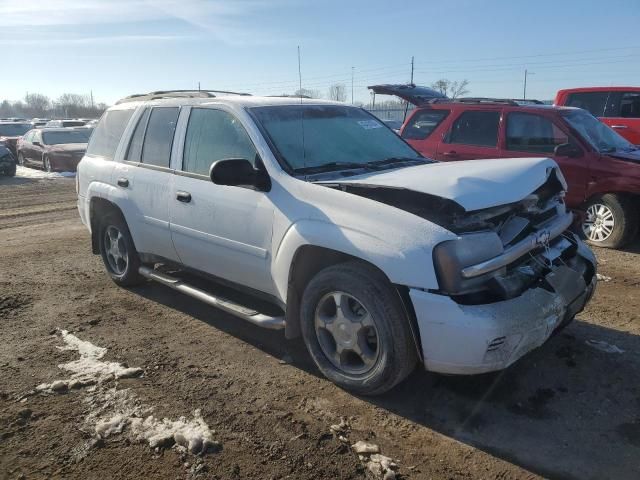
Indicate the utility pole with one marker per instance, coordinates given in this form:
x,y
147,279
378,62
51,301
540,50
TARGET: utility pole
x,y
91,93
352,68
411,69
526,74
198,86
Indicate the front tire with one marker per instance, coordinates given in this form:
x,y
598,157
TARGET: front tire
x,y
356,330
118,251
611,221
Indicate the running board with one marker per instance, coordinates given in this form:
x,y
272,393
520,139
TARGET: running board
x,y
253,316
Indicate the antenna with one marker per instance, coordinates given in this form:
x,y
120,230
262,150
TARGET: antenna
x,y
304,150
352,68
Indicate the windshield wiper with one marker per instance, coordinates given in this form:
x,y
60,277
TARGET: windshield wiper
x,y
391,160
328,167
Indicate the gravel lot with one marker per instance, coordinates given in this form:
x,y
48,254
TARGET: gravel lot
x,y
568,410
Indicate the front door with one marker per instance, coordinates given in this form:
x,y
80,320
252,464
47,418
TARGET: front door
x,y
532,135
224,231
473,135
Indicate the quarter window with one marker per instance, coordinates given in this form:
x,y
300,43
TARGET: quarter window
x,y
214,135
593,102
134,152
423,123
533,133
105,139
630,105
476,128
156,149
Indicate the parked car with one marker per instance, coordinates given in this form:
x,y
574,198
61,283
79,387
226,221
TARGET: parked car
x,y
376,255
39,122
10,132
618,107
64,123
7,162
602,168
53,149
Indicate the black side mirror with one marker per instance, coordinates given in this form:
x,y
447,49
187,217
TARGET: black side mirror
x,y
567,150
239,172
37,143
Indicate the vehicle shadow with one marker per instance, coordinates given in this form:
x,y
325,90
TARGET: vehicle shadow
x,y
16,180
567,410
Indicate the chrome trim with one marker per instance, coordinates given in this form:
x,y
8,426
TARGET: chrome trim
x,y
257,318
539,238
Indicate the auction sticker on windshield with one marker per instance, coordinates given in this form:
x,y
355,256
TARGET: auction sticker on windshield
x,y
369,124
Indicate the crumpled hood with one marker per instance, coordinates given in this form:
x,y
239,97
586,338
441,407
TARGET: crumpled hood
x,y
473,184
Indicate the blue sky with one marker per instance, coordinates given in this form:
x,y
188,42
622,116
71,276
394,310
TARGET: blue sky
x,y
119,47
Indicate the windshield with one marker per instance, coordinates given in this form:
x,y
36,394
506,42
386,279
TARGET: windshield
x,y
14,129
600,136
71,136
330,136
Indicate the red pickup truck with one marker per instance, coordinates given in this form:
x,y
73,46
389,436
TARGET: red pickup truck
x,y
602,169
618,107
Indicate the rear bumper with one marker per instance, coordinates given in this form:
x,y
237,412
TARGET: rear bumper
x,y
471,339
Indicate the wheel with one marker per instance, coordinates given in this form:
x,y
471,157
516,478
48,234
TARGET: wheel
x,y
46,163
11,172
118,251
20,159
610,221
356,329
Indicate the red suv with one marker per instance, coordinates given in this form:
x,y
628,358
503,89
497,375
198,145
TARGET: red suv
x,y
602,169
618,107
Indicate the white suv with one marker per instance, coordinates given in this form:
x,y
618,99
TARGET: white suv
x,y
377,256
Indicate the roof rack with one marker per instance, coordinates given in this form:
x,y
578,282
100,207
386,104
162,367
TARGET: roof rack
x,y
487,100
176,94
289,96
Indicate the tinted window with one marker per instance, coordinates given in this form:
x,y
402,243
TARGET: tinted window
x,y
156,149
134,152
214,135
593,102
533,133
107,134
476,128
423,123
73,123
14,129
630,105
69,136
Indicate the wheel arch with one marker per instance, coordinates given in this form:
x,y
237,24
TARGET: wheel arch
x,y
99,208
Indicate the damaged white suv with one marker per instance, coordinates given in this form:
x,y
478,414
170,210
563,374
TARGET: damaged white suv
x,y
337,230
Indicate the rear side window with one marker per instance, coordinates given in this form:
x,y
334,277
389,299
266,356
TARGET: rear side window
x,y
214,135
134,152
593,102
106,137
625,105
475,128
156,149
423,123
533,133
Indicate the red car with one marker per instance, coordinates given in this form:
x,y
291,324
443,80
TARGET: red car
x,y
618,107
602,169
53,149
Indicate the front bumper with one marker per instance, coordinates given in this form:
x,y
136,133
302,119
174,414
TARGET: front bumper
x,y
471,339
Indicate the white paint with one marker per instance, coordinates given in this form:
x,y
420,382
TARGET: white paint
x,y
26,172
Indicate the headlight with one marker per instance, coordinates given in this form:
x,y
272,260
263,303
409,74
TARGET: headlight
x,y
452,256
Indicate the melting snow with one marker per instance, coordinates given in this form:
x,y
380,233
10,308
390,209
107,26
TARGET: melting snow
x,y
603,278
115,411
25,172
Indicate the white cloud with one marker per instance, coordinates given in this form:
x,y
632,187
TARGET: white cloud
x,y
45,40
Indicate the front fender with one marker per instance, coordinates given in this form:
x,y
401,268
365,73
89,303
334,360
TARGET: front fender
x,y
408,264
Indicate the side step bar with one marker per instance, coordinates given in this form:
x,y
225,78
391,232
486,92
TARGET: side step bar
x,y
274,323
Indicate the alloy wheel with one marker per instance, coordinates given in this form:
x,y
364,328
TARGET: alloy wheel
x,y
599,223
115,250
346,333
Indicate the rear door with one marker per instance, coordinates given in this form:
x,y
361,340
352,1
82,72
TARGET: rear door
x,y
36,149
474,134
535,135
622,113
26,145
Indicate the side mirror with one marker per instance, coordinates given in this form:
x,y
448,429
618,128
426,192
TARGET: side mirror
x,y
37,143
239,172
567,150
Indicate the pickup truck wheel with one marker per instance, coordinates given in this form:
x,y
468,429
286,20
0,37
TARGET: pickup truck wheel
x,y
610,221
356,329
118,252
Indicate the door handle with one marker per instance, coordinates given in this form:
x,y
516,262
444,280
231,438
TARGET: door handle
x,y
123,182
619,126
184,197
451,154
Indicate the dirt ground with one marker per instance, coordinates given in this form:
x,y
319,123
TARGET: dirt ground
x,y
568,410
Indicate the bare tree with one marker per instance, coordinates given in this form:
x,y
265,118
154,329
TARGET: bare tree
x,y
305,92
338,92
451,89
36,104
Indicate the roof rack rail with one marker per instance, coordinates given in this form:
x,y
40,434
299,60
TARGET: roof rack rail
x,y
289,96
203,93
487,100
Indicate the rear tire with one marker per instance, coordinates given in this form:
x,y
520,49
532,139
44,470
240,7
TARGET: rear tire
x,y
118,251
46,164
611,221
11,172
376,354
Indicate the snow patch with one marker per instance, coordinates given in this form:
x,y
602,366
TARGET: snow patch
x,y
602,278
604,346
119,411
25,172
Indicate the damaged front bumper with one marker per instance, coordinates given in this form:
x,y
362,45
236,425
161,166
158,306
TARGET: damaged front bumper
x,y
470,339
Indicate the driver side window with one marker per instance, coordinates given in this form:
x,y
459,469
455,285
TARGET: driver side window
x,y
214,135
